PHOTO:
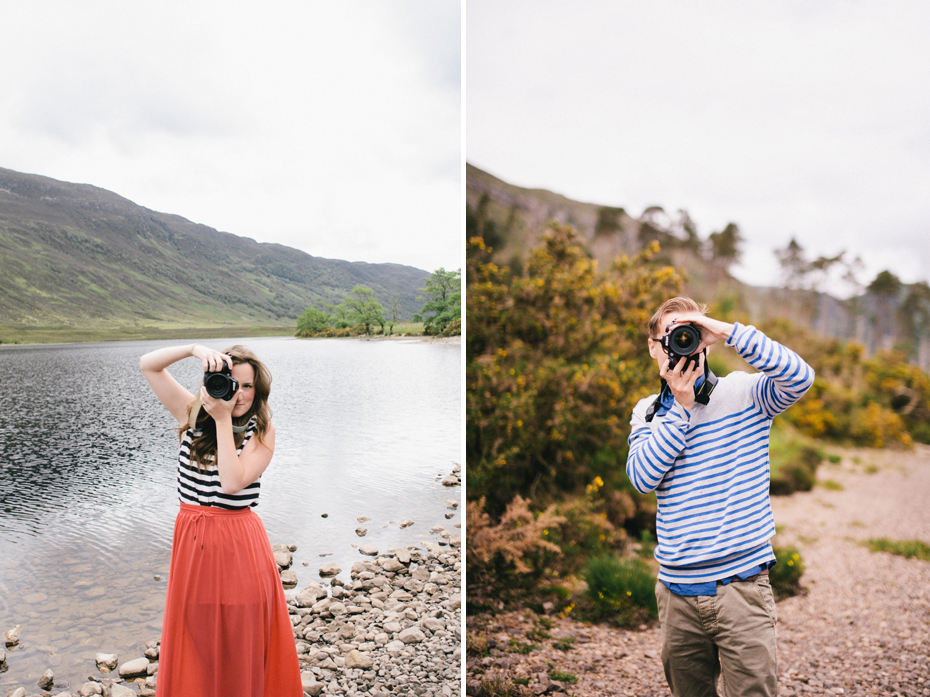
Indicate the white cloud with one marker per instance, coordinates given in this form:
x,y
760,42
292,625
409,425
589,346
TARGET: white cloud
x,y
331,127
787,118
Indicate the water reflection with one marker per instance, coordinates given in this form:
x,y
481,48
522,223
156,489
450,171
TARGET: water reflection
x,y
88,496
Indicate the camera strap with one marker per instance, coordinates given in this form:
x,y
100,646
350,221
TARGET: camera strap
x,y
654,407
702,393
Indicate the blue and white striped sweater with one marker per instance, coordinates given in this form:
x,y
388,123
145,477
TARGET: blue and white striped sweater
x,y
710,467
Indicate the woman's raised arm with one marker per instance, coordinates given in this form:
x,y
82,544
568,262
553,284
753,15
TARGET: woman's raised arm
x,y
168,390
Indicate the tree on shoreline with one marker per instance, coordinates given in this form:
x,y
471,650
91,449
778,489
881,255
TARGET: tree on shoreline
x,y
359,309
315,319
362,307
443,292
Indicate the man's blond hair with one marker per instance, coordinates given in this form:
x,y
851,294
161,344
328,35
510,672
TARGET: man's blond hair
x,y
679,304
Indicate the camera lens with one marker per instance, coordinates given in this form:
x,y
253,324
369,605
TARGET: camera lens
x,y
218,385
685,340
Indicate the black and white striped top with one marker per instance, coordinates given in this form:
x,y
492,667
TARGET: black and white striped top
x,y
203,488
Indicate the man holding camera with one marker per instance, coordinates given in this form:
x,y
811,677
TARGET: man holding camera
x,y
702,446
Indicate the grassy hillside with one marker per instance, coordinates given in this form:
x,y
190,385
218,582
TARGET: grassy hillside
x,y
78,256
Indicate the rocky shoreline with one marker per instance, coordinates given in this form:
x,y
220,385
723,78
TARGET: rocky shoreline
x,y
394,628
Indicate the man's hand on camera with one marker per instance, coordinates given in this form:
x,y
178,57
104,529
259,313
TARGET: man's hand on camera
x,y
681,382
712,330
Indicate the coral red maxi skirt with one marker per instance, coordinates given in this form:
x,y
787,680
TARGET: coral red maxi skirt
x,y
226,629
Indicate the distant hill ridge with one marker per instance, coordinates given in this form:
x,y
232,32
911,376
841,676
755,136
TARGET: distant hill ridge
x,y
80,254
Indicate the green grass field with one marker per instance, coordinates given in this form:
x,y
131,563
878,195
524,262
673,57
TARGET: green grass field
x,y
63,334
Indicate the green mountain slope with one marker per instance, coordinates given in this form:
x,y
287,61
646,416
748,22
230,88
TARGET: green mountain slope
x,y
81,255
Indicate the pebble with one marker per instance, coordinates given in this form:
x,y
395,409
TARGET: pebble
x,y
12,636
135,668
106,661
47,680
396,635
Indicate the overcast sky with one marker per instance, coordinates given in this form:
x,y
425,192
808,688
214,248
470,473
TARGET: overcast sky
x,y
806,118
333,127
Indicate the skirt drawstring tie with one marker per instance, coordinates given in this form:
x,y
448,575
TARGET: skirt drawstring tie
x,y
200,519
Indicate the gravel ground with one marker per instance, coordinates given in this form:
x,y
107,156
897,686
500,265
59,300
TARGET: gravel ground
x,y
861,628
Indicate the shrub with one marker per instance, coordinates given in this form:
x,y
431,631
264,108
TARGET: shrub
x,y
556,360
785,575
875,427
587,529
454,328
563,676
793,459
476,645
879,402
622,590
519,647
510,554
498,684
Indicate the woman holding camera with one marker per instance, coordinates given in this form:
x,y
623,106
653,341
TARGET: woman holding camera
x,y
226,629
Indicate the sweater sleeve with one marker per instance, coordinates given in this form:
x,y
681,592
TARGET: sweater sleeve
x,y
653,449
785,375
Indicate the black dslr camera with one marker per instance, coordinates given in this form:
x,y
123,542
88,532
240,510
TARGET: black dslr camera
x,y
221,384
682,341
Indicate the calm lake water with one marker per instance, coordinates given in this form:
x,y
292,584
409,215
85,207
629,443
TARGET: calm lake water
x,y
88,494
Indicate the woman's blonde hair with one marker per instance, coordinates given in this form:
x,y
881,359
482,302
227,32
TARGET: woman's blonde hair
x,y
204,445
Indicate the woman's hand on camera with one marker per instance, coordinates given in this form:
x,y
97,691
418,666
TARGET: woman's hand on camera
x,y
213,361
219,409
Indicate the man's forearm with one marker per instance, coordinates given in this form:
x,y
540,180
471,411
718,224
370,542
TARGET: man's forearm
x,y
653,451
786,375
